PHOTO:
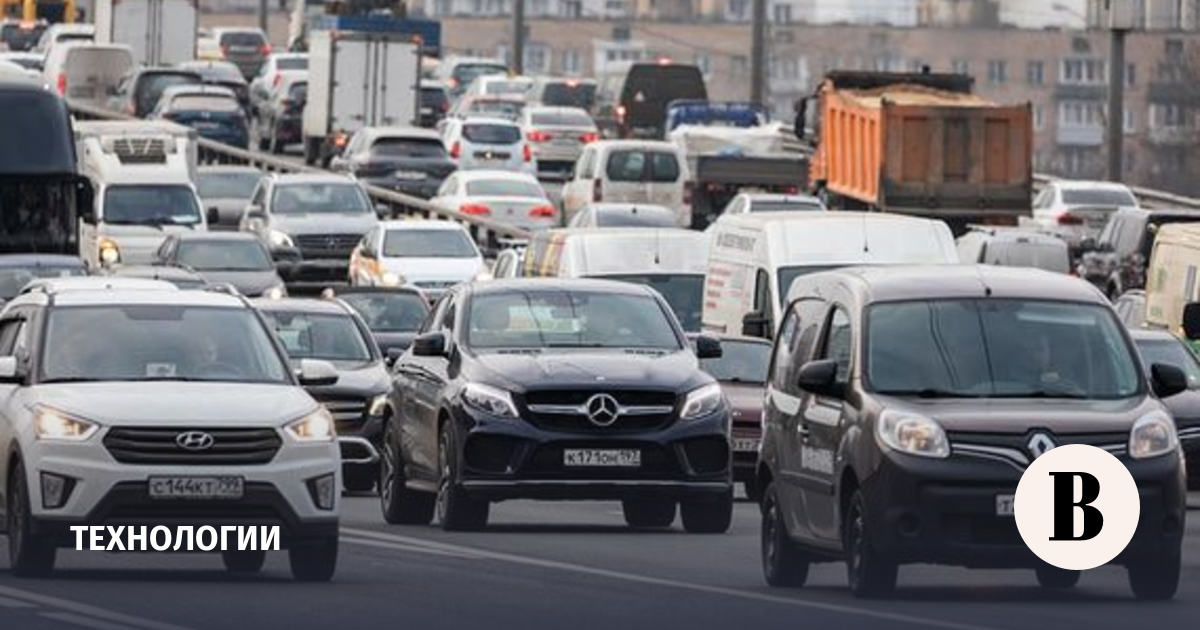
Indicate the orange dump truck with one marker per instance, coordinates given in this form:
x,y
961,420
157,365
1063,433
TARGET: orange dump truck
x,y
921,144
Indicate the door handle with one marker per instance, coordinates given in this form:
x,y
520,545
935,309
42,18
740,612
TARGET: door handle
x,y
802,430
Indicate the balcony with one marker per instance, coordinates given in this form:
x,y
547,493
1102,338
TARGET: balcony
x,y
1172,136
1081,91
1079,135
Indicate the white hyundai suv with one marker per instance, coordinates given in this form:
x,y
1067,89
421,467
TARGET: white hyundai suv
x,y
154,407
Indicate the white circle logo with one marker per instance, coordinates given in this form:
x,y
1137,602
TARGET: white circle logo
x,y
1077,507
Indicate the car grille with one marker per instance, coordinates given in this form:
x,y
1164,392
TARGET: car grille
x,y
436,284
348,413
327,245
1015,450
156,445
563,410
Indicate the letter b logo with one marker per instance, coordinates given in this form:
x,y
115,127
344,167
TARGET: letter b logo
x,y
1077,507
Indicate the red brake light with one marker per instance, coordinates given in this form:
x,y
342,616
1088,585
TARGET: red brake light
x,y
621,113
590,136
538,136
542,212
62,84
455,150
277,79
526,153
475,209
1067,218
340,139
265,49
597,190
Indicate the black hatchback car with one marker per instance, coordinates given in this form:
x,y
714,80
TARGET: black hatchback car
x,y
1116,262
545,389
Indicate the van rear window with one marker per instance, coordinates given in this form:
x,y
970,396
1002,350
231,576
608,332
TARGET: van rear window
x,y
642,166
492,134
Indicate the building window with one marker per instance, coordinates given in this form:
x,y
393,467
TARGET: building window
x,y
572,8
1130,74
539,7
1035,72
1080,114
1173,49
536,58
960,66
1166,115
739,65
1039,118
783,14
572,62
997,71
703,63
1083,71
737,9
915,65
1130,122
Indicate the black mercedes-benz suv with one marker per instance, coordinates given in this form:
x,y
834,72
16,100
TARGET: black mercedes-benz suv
x,y
548,389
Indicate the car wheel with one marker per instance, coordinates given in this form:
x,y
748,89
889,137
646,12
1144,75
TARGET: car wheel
x,y
359,478
314,562
455,510
1049,576
29,555
1155,578
401,505
784,563
752,490
708,516
648,512
243,561
869,572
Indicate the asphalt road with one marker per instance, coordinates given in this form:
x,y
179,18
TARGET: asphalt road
x,y
556,565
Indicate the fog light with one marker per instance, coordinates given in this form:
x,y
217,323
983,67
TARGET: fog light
x,y
56,489
323,490
110,254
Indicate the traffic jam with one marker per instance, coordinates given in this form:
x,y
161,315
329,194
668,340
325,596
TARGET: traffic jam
x,y
250,289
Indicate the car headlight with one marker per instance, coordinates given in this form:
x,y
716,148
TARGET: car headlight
x,y
702,401
279,239
913,434
391,279
51,424
276,292
317,426
1152,435
489,400
483,276
375,408
110,254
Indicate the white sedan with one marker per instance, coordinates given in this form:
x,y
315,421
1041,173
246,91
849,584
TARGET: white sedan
x,y
515,199
1075,210
431,255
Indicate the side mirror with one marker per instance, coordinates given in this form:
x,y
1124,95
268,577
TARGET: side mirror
x,y
85,197
1191,320
819,377
708,347
212,215
315,373
1167,380
392,355
383,211
430,344
9,372
1088,245
755,324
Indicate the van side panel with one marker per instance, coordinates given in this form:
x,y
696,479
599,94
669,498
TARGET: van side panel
x,y
1171,279
729,281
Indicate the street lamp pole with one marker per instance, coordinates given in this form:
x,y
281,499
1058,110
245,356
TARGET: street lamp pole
x,y
758,53
518,37
1116,104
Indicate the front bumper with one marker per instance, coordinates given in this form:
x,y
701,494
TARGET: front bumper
x,y
296,270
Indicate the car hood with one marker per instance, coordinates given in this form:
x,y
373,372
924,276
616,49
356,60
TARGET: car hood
x,y
422,269
249,283
355,379
746,400
175,403
324,223
563,368
1018,416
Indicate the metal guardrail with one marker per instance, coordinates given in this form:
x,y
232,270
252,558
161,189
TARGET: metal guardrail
x,y
487,231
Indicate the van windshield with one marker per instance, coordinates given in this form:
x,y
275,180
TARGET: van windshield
x,y
683,292
642,166
998,348
150,205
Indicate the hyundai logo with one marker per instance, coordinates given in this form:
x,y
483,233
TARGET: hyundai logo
x,y
1039,444
194,441
602,410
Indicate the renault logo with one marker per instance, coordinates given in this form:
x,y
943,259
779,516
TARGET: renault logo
x,y
194,441
602,409
1039,444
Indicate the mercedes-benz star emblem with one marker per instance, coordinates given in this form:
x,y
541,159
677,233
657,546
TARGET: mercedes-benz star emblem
x,y
194,441
602,409
1039,444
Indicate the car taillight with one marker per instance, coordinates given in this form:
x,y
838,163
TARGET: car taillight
x,y
340,139
542,212
224,51
475,209
621,113
590,136
277,79
527,153
265,49
62,84
1067,218
455,150
597,190
687,193
538,136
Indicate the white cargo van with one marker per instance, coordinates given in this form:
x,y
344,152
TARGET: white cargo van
x,y
1171,277
630,171
754,257
669,260
85,72
142,174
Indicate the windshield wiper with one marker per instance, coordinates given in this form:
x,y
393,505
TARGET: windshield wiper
x,y
578,345
75,379
929,392
1041,393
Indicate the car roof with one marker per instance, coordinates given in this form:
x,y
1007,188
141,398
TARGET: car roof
x,y
557,285
627,206
311,178
556,109
197,89
215,236
634,144
1016,234
887,283
375,133
148,296
490,173
782,198
353,290
1079,184
1152,334
488,120
300,305
39,260
422,224
228,168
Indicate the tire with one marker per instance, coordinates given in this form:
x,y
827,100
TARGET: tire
x,y
646,513
711,516
314,562
1052,577
359,478
243,561
1155,579
870,573
401,505
311,150
784,563
752,491
29,555
455,510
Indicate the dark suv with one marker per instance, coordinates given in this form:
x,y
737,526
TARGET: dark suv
x,y
906,402
1116,262
545,389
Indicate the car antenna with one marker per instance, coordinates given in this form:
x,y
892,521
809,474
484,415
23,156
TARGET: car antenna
x,y
866,241
987,290
657,239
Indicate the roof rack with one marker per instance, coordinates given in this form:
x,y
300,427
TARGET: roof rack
x,y
51,286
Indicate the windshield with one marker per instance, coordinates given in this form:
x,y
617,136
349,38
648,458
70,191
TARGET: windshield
x,y
683,292
1084,197
483,133
998,348
562,119
198,102
408,147
389,312
465,73
740,362
150,205
319,336
569,319
242,38
13,279
151,86
505,188
1170,352
642,166
499,109
159,342
568,95
237,185
506,87
428,244
319,198
785,206
788,275
224,255
292,63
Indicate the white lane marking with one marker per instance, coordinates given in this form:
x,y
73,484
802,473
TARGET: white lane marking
x,y
86,609
86,622
407,543
15,603
413,548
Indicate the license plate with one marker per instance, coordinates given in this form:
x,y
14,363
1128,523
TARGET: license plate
x,y
621,458
1004,505
409,175
744,445
225,487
